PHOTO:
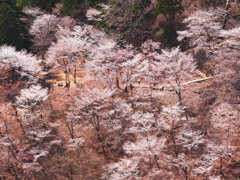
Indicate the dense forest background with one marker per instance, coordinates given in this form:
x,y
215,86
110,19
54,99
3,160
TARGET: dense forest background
x,y
119,89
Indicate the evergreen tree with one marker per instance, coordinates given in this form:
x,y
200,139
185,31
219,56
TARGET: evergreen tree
x,y
69,5
78,7
9,30
46,5
91,3
169,8
13,31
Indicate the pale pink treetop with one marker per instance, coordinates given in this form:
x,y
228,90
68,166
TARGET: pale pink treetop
x,y
150,46
203,29
44,24
145,147
32,96
33,11
94,15
177,66
46,28
124,169
141,122
171,114
23,62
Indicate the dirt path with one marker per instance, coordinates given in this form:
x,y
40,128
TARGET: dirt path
x,y
145,85
82,78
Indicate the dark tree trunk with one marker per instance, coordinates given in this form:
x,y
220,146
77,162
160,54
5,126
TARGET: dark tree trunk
x,y
75,75
227,16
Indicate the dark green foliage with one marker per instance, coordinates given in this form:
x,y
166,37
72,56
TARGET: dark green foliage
x,y
132,19
92,3
101,24
168,35
127,15
46,5
13,31
212,3
69,5
169,8
78,7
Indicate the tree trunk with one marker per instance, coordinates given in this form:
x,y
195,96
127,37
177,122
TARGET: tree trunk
x,y
117,80
172,22
155,159
102,146
70,129
186,174
69,76
221,166
96,126
227,16
75,74
173,139
117,83
20,123
186,169
13,76
65,76
179,94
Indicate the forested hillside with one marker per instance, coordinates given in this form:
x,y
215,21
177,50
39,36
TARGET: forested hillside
x,y
119,90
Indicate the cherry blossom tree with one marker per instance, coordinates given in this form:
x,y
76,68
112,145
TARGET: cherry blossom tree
x,y
39,143
144,158
94,15
171,121
142,122
21,62
33,11
127,69
147,146
9,88
106,60
143,65
184,137
73,47
189,139
124,169
44,30
149,47
98,15
225,124
9,150
176,67
67,52
203,30
25,146
100,52
31,97
148,149
105,54
89,110
228,53
116,119
203,166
